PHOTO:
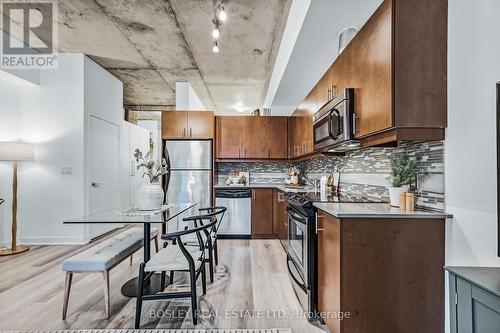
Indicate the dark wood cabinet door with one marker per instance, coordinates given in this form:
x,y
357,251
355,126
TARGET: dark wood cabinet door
x,y
280,219
342,70
277,137
228,137
308,132
373,73
262,212
329,238
174,125
200,124
253,137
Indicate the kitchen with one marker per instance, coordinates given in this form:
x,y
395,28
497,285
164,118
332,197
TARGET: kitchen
x,y
329,157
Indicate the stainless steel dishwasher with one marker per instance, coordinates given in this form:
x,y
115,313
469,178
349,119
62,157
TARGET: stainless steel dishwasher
x,y
237,222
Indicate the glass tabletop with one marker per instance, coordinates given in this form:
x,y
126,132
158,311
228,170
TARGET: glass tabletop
x,y
128,216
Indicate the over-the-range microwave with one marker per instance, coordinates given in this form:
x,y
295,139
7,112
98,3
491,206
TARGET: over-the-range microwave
x,y
334,124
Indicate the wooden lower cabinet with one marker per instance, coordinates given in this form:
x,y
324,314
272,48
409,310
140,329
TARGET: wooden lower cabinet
x,y
329,268
262,212
386,274
280,218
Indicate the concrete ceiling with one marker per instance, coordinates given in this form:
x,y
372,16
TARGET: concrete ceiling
x,y
151,44
316,47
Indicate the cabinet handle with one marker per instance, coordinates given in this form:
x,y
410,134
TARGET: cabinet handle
x,y
317,218
268,153
245,153
239,152
253,194
190,132
318,230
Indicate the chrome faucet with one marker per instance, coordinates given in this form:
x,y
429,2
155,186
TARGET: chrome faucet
x,y
313,183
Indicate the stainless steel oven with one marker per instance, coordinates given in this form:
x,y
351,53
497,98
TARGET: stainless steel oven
x,y
298,243
334,124
301,257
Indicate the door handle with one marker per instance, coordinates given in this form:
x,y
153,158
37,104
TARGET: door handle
x,y
354,124
94,184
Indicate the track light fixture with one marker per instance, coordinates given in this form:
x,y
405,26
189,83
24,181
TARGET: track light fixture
x,y
220,17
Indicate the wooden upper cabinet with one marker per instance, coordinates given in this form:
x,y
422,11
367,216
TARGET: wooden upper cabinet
x,y
174,125
200,124
373,73
228,137
188,125
254,137
262,212
277,137
342,70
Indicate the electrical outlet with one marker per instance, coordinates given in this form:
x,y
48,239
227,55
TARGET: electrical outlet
x,y
66,171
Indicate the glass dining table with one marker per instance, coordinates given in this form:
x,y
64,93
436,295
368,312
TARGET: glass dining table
x,y
132,216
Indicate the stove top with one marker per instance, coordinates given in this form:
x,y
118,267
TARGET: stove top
x,y
303,201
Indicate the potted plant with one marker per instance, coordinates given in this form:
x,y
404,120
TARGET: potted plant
x,y
293,172
150,195
404,173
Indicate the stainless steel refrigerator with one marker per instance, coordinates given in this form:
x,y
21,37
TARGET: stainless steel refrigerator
x,y
190,172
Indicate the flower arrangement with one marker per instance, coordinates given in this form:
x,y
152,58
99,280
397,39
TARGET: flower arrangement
x,y
293,171
154,169
404,170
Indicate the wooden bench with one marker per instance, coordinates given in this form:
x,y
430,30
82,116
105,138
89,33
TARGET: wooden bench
x,y
102,258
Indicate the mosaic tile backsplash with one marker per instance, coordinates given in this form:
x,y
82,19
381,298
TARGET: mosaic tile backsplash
x,y
363,172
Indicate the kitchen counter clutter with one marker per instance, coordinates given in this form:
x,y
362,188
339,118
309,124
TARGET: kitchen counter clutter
x,y
375,210
349,209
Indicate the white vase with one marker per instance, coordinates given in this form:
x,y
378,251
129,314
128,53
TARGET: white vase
x,y
394,193
150,196
294,180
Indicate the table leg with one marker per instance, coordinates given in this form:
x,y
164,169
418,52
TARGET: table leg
x,y
153,284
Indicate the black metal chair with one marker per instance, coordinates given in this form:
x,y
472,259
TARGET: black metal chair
x,y
210,239
175,256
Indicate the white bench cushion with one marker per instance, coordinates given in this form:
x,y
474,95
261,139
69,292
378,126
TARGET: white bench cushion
x,y
171,258
105,255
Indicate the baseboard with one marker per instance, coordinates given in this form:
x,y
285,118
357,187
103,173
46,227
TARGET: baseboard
x,y
52,241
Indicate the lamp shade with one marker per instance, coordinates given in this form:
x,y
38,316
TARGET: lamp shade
x,y
16,151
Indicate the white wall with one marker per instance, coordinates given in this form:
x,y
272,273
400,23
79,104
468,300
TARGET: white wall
x,y
186,98
52,117
9,131
470,155
470,145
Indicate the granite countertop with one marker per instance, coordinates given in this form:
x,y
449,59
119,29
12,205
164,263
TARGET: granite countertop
x,y
375,210
349,210
281,187
486,277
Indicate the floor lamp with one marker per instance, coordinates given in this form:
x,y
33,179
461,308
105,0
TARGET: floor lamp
x,y
16,152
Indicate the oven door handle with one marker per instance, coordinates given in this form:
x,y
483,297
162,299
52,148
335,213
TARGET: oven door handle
x,y
337,113
300,284
297,218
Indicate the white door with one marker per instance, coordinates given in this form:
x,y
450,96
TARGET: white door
x,y
139,138
104,171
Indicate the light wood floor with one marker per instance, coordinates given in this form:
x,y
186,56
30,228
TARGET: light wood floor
x,y
251,287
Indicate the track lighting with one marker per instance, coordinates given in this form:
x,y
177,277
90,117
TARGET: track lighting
x,y
215,49
216,33
222,14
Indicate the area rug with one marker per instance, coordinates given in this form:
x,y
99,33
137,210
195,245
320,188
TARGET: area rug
x,y
257,330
